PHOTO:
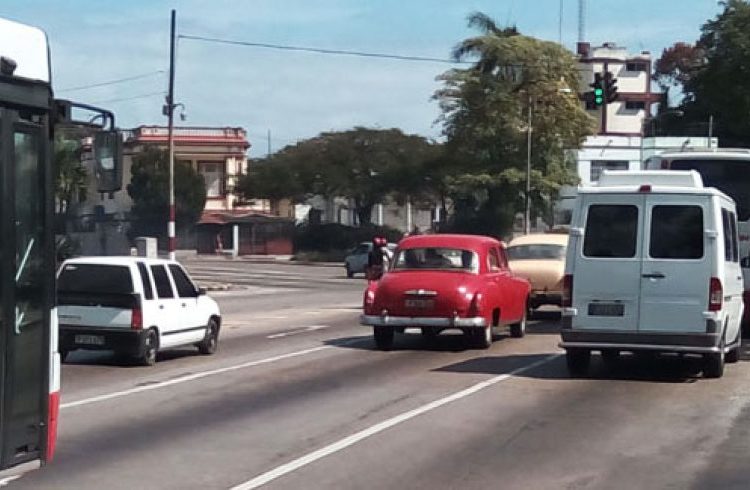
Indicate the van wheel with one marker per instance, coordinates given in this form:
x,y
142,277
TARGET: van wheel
x,y
383,337
610,357
734,354
210,342
578,361
714,363
150,347
518,330
349,272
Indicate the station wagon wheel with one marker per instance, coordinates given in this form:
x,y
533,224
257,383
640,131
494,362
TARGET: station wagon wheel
x,y
383,337
714,362
518,330
150,346
210,342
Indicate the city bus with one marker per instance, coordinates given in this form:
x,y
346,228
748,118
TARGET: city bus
x,y
728,170
29,361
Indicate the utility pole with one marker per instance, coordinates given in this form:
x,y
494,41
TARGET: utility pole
x,y
710,129
560,24
170,115
527,201
269,143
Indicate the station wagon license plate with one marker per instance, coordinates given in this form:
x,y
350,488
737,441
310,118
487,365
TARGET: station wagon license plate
x,y
89,339
420,303
606,309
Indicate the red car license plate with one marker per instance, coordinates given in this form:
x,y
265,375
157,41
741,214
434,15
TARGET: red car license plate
x,y
420,303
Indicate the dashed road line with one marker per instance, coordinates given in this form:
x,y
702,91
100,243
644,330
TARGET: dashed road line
x,y
353,439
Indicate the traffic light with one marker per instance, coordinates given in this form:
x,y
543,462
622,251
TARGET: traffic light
x,y
610,87
598,92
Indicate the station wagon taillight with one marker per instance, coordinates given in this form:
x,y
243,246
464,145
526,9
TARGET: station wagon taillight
x,y
567,291
715,295
136,319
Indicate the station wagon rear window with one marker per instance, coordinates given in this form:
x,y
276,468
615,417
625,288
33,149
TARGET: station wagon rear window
x,y
676,232
536,251
436,258
611,231
95,278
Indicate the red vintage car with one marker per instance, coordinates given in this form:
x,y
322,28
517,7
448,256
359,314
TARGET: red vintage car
x,y
442,282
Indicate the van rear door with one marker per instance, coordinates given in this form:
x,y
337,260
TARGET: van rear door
x,y
677,262
607,271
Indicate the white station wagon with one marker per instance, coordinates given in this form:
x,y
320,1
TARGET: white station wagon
x,y
134,306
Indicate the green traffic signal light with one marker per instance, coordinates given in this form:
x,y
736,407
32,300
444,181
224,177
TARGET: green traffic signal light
x,y
598,96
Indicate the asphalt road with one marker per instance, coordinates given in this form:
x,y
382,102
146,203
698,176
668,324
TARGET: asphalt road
x,y
298,398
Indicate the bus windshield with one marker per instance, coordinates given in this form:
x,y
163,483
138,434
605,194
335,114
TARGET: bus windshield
x,y
732,177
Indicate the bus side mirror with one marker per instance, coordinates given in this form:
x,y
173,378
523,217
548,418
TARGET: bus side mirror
x,y
745,262
108,160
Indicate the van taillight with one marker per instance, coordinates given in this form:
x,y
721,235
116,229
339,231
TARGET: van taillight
x,y
136,318
567,291
715,295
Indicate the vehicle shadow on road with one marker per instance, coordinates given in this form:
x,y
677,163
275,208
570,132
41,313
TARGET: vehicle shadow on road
x,y
108,358
445,342
660,369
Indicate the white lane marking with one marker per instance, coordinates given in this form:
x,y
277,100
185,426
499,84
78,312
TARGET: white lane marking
x,y
6,481
380,427
311,328
191,377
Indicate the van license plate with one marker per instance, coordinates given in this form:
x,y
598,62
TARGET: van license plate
x,y
606,309
89,339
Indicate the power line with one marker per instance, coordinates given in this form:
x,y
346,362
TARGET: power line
x,y
112,82
141,96
307,49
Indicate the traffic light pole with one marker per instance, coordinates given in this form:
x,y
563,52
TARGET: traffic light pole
x,y
604,105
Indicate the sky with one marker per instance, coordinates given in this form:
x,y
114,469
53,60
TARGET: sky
x,y
297,95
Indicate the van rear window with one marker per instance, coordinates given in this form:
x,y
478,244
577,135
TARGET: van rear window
x,y
676,232
611,231
95,278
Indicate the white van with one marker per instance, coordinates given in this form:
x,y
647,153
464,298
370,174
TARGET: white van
x,y
652,265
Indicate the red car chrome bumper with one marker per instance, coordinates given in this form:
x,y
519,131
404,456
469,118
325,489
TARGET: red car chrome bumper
x,y
408,321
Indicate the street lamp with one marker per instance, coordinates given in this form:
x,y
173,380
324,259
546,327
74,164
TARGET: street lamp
x,y
527,197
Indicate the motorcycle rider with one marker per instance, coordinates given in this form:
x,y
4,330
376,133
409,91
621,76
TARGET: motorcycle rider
x,y
377,259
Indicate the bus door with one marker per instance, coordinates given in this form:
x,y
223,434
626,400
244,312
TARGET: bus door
x,y
26,285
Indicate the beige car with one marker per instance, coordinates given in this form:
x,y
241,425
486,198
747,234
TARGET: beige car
x,y
540,258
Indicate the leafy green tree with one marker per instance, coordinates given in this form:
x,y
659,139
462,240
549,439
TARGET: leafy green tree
x,y
485,119
149,189
714,77
70,174
362,164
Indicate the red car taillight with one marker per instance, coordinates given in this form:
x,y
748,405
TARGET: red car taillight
x,y
715,295
567,291
136,318
475,307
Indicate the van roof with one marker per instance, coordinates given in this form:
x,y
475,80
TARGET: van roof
x,y
707,154
653,181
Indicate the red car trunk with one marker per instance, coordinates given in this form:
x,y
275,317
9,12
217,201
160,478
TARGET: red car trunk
x,y
425,293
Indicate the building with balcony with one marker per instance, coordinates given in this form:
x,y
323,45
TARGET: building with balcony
x,y
217,154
